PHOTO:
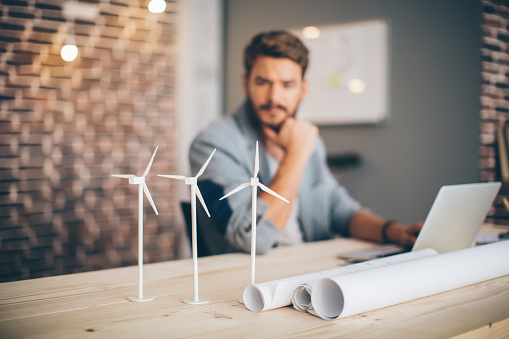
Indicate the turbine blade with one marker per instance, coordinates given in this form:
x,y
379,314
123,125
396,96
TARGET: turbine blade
x,y
198,194
126,176
150,163
202,169
257,162
178,177
147,193
268,190
240,187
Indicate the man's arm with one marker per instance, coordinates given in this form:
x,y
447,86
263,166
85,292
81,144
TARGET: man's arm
x,y
230,166
292,146
369,226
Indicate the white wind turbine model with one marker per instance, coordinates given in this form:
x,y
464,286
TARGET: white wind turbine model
x,y
142,187
195,192
254,183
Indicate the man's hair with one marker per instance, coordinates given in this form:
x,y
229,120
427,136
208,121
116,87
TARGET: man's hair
x,y
277,44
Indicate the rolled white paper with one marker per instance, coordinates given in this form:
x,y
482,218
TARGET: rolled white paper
x,y
278,293
345,295
301,297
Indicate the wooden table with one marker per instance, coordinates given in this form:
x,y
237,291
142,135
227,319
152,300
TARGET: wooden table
x,y
95,305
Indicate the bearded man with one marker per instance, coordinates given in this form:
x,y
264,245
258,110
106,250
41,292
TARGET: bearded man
x,y
292,162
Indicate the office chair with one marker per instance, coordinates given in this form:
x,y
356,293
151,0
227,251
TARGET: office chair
x,y
208,239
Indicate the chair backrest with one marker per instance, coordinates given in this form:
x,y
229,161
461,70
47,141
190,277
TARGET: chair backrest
x,y
208,238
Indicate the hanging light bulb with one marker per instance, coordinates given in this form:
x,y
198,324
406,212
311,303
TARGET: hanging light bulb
x,y
157,6
70,51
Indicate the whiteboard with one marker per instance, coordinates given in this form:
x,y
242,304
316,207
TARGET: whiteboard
x,y
347,73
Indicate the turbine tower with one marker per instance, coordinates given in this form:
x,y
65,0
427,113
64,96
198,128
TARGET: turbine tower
x,y
254,183
142,188
195,192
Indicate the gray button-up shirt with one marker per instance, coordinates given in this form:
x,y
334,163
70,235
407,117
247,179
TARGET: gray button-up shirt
x,y
324,209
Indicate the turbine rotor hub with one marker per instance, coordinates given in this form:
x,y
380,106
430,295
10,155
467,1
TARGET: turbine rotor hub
x,y
191,181
137,180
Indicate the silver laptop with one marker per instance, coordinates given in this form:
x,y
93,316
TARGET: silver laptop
x,y
452,223
456,216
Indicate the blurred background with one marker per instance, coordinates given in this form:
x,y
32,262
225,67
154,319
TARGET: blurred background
x,y
143,79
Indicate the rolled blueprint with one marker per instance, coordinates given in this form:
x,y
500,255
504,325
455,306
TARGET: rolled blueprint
x,y
278,293
345,295
301,297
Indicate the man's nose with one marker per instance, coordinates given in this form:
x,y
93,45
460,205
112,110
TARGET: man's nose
x,y
275,94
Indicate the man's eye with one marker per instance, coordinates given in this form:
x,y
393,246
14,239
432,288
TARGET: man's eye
x,y
261,82
289,84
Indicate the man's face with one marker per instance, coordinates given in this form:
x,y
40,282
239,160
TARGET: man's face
x,y
275,87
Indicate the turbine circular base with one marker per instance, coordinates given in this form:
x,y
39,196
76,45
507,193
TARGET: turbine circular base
x,y
195,302
141,299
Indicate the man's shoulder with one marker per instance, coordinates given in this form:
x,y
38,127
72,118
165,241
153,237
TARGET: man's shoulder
x,y
229,127
224,128
227,135
225,124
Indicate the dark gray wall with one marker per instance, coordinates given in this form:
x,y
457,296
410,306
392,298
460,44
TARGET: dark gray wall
x,y
432,136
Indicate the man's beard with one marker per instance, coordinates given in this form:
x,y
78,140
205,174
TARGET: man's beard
x,y
258,123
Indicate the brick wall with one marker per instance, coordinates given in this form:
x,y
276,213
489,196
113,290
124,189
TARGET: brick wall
x,y
65,127
494,93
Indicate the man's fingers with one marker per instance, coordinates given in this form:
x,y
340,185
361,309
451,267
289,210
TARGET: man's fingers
x,y
269,133
415,228
407,240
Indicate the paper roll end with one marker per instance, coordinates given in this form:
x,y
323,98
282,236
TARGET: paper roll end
x,y
327,299
253,299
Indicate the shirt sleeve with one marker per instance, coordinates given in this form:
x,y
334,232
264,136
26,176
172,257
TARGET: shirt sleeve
x,y
342,206
230,167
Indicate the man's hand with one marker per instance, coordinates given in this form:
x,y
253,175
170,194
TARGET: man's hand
x,y
297,138
404,235
292,146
